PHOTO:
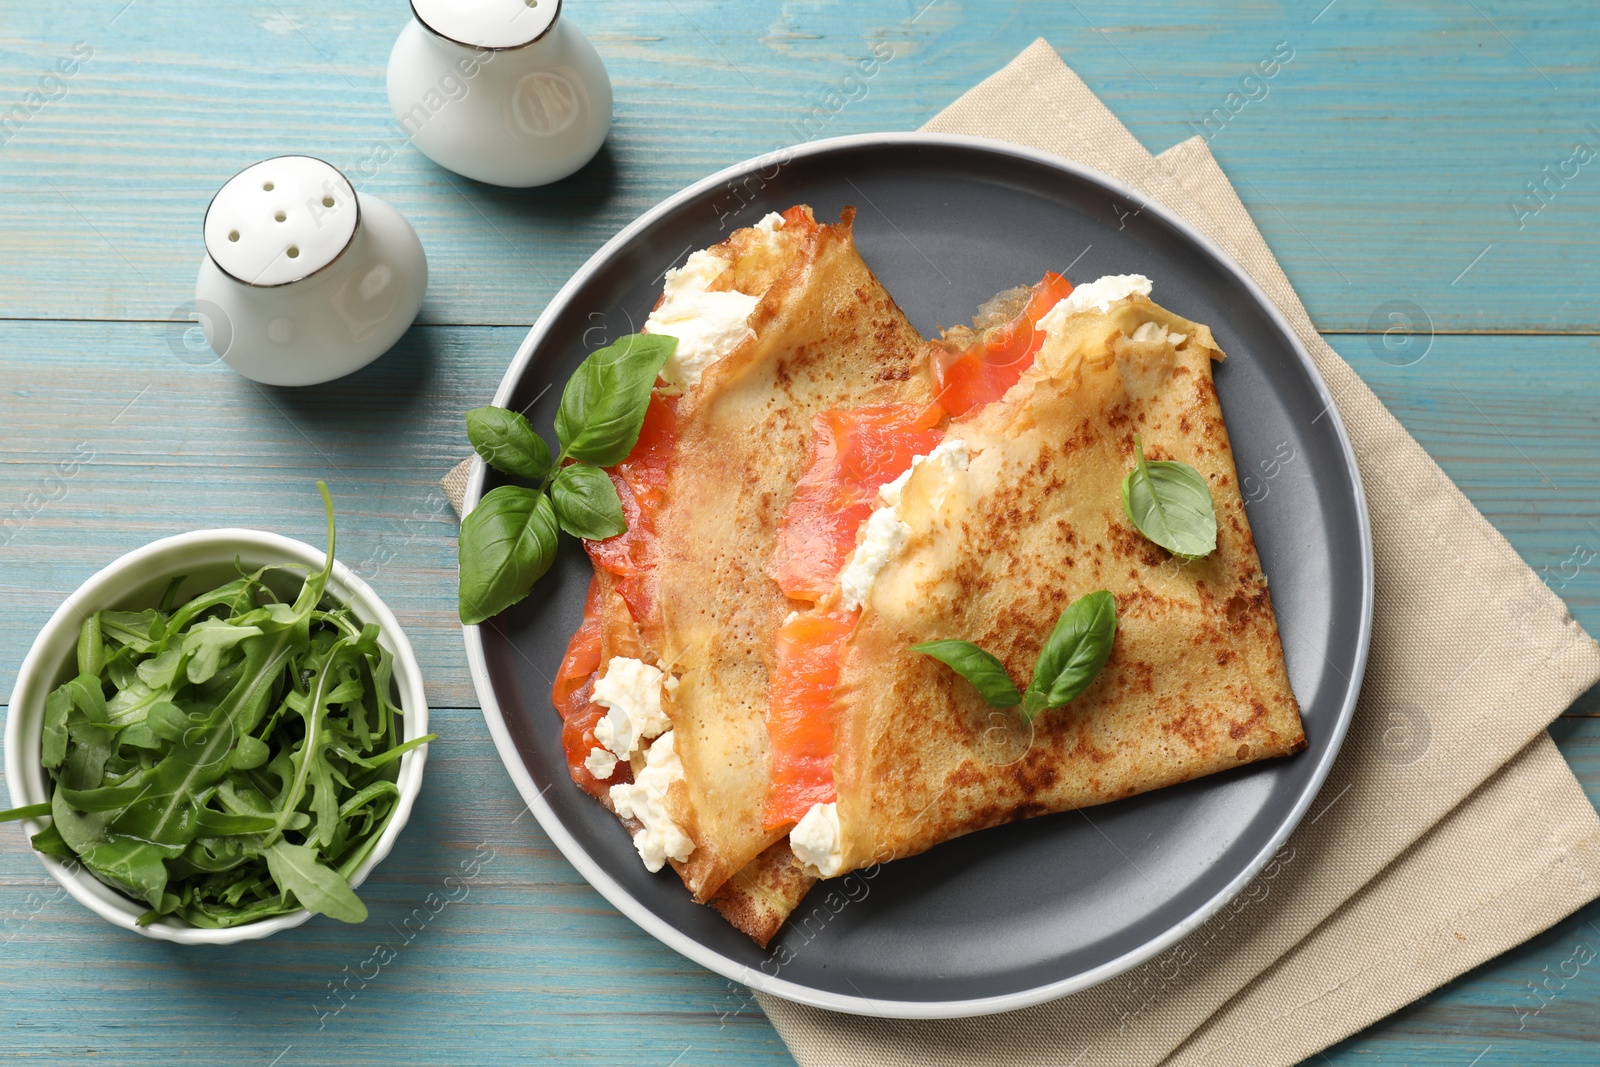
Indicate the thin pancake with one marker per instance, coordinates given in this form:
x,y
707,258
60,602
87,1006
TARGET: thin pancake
x,y
826,335
1196,682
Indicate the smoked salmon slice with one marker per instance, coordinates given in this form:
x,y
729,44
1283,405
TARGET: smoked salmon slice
x,y
641,482
574,685
983,372
852,453
800,713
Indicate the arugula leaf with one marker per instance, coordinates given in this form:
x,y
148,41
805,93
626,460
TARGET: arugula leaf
x,y
89,748
249,753
603,405
49,842
1171,504
91,647
1078,647
507,543
54,746
168,722
507,443
221,824
89,698
139,630
316,887
987,674
208,642
314,708
137,867
158,672
586,502
27,811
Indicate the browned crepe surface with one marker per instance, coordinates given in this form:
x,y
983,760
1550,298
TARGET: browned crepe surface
x,y
1196,682
762,894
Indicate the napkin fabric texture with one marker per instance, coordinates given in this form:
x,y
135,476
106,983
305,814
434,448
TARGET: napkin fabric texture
x,y
1449,830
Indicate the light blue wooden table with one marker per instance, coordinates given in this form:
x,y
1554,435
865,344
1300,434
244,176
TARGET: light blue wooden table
x,y
1382,162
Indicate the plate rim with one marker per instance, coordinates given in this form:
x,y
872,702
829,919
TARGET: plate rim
x,y
759,981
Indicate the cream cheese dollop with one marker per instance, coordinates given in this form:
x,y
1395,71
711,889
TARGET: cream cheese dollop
x,y
884,533
1099,294
881,540
708,325
600,763
645,799
630,691
817,841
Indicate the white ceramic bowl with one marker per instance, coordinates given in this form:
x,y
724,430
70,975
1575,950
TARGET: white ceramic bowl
x,y
137,581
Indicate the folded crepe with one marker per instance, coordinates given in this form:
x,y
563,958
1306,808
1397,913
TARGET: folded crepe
x,y
664,688
1017,514
815,490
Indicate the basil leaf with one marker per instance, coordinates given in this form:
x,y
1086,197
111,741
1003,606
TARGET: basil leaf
x,y
507,443
507,543
603,406
1171,504
1078,647
987,674
586,502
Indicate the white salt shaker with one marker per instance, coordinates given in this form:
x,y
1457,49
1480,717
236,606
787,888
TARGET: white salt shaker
x,y
502,91
305,279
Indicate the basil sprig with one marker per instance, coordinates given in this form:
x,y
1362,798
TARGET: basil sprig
x,y
1077,649
1170,503
509,540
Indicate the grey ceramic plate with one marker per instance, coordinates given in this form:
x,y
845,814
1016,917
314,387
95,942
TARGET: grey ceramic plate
x,y
1020,914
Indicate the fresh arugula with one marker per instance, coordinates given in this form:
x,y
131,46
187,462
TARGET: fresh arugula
x,y
228,760
509,540
1077,649
1170,503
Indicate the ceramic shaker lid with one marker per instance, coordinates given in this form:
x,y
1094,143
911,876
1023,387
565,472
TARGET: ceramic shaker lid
x,y
488,23
281,220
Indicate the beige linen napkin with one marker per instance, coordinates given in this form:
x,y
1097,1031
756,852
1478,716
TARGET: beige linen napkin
x,y
1449,830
